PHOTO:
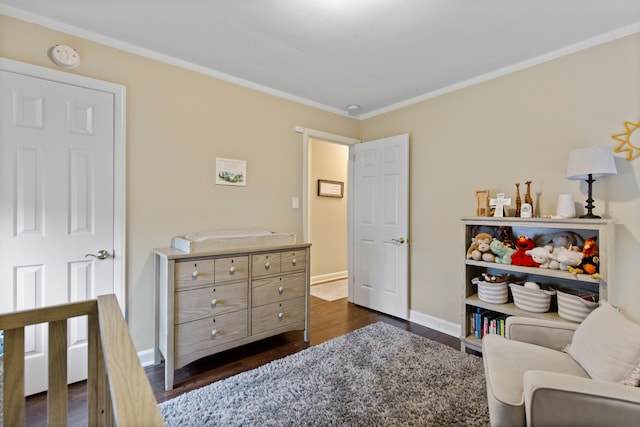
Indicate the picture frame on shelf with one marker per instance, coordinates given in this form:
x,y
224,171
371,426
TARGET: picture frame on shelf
x,y
482,203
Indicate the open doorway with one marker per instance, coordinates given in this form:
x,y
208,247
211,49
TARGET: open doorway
x,y
325,217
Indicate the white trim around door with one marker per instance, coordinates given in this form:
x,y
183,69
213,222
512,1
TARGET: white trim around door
x,y
119,209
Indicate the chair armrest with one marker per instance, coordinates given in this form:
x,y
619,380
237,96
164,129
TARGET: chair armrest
x,y
547,333
553,399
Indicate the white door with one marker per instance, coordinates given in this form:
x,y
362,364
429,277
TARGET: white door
x,y
56,206
380,225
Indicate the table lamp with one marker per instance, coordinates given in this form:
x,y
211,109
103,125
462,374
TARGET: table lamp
x,y
587,164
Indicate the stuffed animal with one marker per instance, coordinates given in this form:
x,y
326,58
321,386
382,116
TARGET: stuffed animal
x,y
502,251
523,244
495,279
540,255
553,256
560,239
479,249
591,262
570,259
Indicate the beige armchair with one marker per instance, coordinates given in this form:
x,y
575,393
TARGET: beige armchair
x,y
553,373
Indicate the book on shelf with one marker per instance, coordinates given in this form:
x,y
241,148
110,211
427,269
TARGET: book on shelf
x,y
483,322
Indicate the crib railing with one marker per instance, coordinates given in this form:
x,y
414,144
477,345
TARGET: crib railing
x,y
118,391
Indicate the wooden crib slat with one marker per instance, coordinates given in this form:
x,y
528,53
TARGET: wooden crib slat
x,y
132,399
96,376
57,394
14,403
118,390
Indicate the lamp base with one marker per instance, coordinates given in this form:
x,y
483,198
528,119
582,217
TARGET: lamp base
x,y
590,216
589,205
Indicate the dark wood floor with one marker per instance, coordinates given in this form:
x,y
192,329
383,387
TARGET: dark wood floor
x,y
328,320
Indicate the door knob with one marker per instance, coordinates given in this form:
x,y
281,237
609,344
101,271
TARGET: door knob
x,y
398,241
102,254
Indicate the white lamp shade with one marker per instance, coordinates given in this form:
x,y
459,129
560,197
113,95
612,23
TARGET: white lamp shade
x,y
597,161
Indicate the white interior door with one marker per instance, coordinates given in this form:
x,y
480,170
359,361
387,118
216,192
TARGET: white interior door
x,y
56,206
380,225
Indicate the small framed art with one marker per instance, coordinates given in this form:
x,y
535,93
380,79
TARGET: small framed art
x,y
231,172
330,188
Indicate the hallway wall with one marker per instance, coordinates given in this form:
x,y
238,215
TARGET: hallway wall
x,y
328,215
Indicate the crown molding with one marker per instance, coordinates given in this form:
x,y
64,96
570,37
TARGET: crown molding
x,y
150,54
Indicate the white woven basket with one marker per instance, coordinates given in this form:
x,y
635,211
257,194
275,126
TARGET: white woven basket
x,y
494,293
534,300
574,308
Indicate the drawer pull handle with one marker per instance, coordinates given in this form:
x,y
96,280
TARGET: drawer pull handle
x,y
294,261
280,290
267,265
195,274
214,333
232,269
214,302
280,316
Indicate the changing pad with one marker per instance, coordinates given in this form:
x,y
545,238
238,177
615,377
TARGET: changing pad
x,y
203,241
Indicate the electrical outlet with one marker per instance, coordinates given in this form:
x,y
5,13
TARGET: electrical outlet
x,y
295,203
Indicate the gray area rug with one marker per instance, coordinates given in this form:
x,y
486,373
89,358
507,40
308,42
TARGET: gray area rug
x,y
379,375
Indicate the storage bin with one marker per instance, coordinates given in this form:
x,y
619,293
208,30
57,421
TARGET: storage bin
x,y
534,300
494,293
573,307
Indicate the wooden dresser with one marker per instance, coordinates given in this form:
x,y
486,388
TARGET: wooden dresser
x,y
213,301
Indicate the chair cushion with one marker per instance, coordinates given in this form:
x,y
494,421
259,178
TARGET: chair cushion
x,y
607,346
505,363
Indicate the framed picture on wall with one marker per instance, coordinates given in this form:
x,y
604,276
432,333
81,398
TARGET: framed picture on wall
x,y
231,172
328,188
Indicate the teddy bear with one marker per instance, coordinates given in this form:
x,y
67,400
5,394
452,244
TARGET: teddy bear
x,y
541,255
479,249
502,251
523,244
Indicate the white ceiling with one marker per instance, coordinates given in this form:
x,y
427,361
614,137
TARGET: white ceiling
x,y
379,54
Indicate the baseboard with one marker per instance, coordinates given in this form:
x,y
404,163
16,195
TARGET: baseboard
x,y
147,357
435,323
329,277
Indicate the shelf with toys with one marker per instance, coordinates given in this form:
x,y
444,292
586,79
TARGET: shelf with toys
x,y
539,260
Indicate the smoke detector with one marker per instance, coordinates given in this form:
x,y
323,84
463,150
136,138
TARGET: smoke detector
x,y
353,109
64,56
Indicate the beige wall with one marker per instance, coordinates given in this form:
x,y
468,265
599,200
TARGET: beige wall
x,y
328,215
511,129
178,122
488,136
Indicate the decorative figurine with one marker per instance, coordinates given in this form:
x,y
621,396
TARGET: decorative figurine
x,y
499,203
518,200
528,199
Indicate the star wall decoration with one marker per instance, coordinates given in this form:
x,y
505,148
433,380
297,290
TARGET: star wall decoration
x,y
626,143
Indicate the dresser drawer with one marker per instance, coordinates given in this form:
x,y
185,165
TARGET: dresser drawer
x,y
263,264
293,261
229,269
194,304
207,333
276,289
273,316
194,272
